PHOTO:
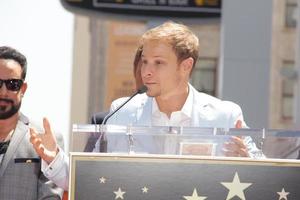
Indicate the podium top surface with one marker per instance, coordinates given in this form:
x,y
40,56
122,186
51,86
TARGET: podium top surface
x,y
181,130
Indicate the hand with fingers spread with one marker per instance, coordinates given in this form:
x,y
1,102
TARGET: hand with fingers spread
x,y
44,144
236,146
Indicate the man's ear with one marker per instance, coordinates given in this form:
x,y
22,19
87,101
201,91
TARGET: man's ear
x,y
187,65
23,89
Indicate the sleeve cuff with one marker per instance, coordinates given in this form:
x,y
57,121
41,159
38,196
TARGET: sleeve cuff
x,y
55,166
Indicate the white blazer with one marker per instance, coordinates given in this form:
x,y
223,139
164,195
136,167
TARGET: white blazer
x,y
207,111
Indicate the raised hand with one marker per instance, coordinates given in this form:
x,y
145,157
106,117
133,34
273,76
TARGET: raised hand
x,y
236,147
45,143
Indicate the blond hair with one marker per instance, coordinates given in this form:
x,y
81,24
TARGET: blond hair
x,y
183,41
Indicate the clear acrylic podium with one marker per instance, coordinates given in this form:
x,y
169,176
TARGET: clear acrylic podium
x,y
127,162
283,144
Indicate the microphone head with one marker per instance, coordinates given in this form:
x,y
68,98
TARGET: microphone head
x,y
142,89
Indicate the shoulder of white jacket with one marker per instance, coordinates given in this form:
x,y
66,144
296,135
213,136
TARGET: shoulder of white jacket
x,y
208,100
203,99
231,105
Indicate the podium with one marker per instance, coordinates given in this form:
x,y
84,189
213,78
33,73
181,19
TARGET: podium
x,y
179,163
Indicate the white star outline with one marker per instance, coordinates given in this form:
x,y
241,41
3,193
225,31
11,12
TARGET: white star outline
x,y
236,188
194,196
283,194
145,189
119,193
102,179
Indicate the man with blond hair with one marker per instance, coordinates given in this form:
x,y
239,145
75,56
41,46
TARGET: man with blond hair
x,y
170,52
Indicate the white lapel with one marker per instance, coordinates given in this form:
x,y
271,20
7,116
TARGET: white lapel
x,y
201,112
144,111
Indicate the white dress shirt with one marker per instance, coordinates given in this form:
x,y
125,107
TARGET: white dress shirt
x,y
182,117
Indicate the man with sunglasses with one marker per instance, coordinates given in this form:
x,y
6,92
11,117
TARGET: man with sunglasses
x,y
20,166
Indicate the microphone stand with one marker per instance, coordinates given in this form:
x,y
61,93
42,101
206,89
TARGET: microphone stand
x,y
103,139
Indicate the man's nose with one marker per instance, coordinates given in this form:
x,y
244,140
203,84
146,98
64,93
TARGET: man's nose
x,y
147,70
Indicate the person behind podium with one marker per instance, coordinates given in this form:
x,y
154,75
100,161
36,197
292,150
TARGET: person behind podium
x,y
170,53
20,166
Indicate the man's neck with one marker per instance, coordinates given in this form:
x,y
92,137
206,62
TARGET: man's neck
x,y
172,103
7,125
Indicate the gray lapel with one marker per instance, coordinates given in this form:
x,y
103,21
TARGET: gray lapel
x,y
18,135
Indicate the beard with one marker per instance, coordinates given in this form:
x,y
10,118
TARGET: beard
x,y
5,112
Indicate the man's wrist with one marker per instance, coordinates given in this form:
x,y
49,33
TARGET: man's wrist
x,y
49,159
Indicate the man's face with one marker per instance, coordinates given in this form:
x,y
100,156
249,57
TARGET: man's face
x,y
10,101
161,72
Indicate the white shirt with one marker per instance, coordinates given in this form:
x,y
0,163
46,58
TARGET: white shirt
x,y
182,117
58,170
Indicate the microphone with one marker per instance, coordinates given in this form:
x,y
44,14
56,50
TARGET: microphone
x,y
103,140
141,90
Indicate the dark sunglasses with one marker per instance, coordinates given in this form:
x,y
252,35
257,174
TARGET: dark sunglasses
x,y
12,84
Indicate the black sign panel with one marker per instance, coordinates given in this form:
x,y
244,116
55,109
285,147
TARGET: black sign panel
x,y
190,178
155,8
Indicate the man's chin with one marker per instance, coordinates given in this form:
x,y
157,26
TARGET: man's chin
x,y
9,112
6,115
151,94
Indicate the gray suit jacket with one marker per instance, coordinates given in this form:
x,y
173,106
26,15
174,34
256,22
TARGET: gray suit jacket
x,y
20,170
